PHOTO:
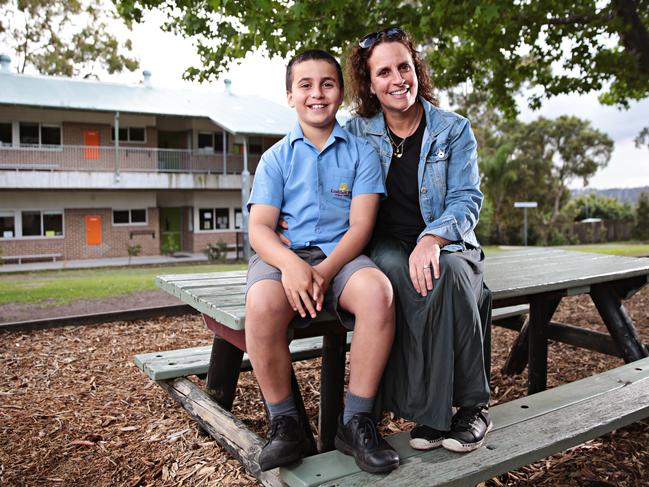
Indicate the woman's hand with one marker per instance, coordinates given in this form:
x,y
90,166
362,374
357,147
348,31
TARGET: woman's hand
x,y
424,264
282,225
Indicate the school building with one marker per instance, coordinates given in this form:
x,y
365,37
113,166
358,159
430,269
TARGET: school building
x,y
88,169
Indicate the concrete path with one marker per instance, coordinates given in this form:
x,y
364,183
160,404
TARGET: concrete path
x,y
180,258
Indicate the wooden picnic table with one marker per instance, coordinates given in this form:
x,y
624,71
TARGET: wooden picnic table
x,y
535,279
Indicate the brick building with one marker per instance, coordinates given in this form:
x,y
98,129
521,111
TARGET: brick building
x,y
89,168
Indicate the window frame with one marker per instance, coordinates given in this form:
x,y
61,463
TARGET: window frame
x,y
128,134
52,147
130,222
11,134
199,228
18,223
11,214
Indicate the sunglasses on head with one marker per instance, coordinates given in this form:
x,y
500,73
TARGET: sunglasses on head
x,y
370,39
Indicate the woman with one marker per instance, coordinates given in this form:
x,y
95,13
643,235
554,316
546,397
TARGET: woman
x,y
425,243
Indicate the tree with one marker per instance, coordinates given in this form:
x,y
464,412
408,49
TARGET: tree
x,y
641,229
500,46
556,152
594,206
68,37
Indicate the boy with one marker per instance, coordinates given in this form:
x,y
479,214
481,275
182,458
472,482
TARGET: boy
x,y
325,183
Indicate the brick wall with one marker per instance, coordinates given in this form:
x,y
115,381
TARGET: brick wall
x,y
200,240
114,239
32,246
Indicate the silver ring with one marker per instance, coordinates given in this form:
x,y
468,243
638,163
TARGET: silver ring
x,y
428,267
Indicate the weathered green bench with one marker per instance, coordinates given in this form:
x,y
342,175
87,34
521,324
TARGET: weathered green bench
x,y
538,278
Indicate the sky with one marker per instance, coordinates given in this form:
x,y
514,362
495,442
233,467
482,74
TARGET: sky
x,y
167,56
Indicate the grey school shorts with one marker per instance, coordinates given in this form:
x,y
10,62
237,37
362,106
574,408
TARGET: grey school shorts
x,y
258,270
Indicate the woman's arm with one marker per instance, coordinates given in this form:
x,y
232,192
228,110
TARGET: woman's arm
x,y
463,198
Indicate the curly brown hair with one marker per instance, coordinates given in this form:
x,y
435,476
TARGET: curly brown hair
x,y
363,102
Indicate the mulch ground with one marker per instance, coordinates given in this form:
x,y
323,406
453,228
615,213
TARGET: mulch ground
x,y
74,410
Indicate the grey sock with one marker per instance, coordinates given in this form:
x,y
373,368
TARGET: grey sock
x,y
285,407
356,404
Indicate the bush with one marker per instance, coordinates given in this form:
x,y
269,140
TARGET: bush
x,y
216,252
133,251
641,228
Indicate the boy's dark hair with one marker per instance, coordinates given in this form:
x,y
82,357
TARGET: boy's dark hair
x,y
313,55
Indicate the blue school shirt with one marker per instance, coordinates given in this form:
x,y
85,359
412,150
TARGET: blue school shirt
x,y
313,189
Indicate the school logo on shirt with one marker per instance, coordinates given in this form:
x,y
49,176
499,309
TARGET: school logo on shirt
x,y
343,190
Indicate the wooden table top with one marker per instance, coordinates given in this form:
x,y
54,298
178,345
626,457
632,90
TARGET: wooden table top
x,y
509,274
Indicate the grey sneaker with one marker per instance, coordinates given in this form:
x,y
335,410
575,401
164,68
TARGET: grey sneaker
x,y
424,437
468,429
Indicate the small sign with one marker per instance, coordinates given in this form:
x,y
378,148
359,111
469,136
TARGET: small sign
x,y
525,204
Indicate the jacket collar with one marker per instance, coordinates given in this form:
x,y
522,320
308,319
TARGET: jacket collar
x,y
435,122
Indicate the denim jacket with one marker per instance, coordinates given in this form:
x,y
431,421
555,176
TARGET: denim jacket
x,y
448,177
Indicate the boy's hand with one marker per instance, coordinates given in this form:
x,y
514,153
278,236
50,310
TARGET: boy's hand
x,y
282,225
301,288
324,276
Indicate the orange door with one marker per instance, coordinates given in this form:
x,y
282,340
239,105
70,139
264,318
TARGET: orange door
x,y
93,229
91,144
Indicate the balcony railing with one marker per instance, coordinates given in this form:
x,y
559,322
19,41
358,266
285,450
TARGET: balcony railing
x,y
124,159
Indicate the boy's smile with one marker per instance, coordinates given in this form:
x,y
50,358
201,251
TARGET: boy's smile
x,y
315,94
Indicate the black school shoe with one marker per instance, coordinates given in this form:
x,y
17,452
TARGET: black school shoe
x,y
284,444
360,439
424,437
468,429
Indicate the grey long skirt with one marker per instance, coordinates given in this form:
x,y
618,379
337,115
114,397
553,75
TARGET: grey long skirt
x,y
441,353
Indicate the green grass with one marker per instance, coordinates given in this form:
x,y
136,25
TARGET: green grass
x,y
61,287
629,249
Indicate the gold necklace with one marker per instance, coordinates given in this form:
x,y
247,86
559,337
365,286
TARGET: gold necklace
x,y
398,148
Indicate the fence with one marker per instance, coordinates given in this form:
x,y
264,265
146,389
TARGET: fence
x,y
100,158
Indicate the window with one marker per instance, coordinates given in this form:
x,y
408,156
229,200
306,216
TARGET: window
x,y
7,225
222,218
210,142
214,218
36,223
129,217
254,145
238,219
50,135
36,134
53,223
31,221
129,134
29,134
205,140
6,137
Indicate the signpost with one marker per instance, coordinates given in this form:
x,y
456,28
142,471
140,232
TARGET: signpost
x,y
525,205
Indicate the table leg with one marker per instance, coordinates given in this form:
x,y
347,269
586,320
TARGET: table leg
x,y
332,383
542,307
223,372
616,319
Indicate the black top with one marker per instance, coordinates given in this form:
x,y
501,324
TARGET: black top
x,y
399,214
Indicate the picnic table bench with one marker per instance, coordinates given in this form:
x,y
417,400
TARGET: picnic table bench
x,y
533,280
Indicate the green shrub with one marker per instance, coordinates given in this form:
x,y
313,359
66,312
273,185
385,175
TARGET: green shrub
x,y
133,251
216,252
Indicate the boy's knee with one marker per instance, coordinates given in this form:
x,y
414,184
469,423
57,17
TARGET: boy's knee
x,y
372,293
265,302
